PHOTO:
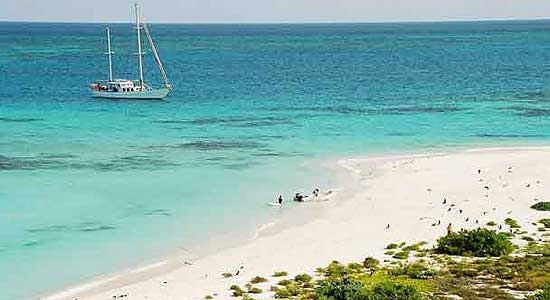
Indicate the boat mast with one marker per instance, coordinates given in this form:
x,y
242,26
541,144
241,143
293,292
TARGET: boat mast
x,y
110,54
138,27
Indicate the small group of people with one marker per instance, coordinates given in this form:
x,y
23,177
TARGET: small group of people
x,y
299,197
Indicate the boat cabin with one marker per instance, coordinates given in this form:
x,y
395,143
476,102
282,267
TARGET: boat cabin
x,y
118,86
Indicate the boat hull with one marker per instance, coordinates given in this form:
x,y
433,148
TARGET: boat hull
x,y
146,95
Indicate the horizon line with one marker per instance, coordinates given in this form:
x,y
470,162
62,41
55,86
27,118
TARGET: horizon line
x,y
294,23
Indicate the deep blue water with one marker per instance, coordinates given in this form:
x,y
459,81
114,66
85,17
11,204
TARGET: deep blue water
x,y
89,186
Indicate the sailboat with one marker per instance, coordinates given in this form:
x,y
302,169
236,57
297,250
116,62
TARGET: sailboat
x,y
132,89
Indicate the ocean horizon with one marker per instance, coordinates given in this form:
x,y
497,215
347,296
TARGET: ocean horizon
x,y
91,186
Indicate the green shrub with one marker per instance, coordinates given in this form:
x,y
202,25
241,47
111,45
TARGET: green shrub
x,y
491,223
392,246
545,222
237,291
418,270
390,290
227,275
542,206
541,295
208,297
302,278
288,291
340,289
512,223
415,247
257,279
401,255
255,290
479,242
335,269
284,282
280,274
371,263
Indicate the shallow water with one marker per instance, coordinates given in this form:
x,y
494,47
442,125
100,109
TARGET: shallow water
x,y
89,186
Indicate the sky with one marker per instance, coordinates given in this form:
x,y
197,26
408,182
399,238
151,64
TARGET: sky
x,y
272,11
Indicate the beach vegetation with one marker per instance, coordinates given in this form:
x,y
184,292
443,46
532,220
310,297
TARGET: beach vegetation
x,y
303,278
208,297
290,290
285,282
415,247
255,290
352,289
341,289
247,297
401,255
479,242
512,223
527,238
371,263
543,294
227,275
541,206
237,291
545,222
392,246
491,223
258,279
280,274
389,252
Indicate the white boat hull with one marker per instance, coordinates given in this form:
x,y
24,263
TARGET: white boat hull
x,y
150,94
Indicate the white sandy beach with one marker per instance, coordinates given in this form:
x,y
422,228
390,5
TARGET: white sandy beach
x,y
406,192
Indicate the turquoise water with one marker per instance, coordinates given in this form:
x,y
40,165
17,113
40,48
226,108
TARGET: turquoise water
x,y
90,186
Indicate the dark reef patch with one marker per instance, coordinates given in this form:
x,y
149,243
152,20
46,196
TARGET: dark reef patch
x,y
20,120
158,212
132,162
210,145
233,121
93,227
397,110
489,135
67,161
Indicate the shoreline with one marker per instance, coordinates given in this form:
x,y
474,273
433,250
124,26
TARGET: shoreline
x,y
364,173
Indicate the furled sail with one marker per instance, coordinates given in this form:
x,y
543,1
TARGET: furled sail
x,y
157,58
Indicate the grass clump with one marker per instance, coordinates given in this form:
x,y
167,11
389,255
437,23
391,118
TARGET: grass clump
x,y
255,290
280,274
479,242
401,255
512,223
540,295
491,223
545,222
302,278
284,282
392,246
227,275
542,206
237,291
257,279
208,297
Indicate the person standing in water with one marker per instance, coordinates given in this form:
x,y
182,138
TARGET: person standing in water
x,y
280,200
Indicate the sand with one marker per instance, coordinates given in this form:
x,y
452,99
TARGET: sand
x,y
406,193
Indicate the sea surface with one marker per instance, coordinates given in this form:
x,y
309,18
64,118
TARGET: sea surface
x,y
91,186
